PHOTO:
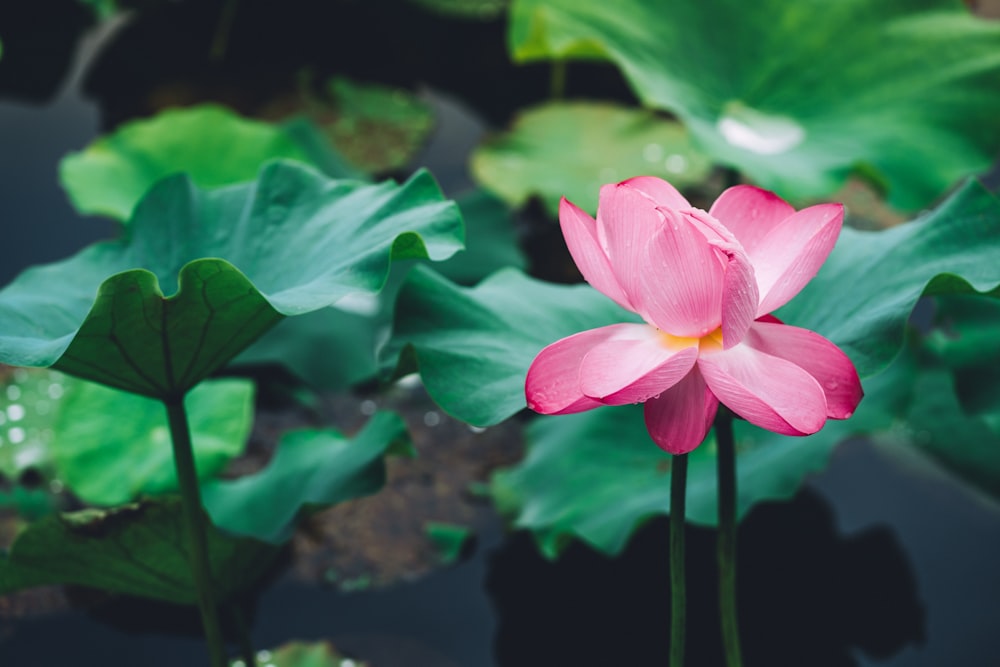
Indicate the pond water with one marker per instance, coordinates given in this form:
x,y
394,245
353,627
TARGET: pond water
x,y
873,563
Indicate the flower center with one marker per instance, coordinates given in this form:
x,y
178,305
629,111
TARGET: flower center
x,y
711,342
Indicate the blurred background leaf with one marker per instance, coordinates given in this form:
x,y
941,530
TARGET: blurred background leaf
x,y
797,95
571,149
138,549
310,469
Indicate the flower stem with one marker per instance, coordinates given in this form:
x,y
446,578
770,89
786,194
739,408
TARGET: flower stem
x,y
246,645
557,80
194,519
726,546
678,585
220,42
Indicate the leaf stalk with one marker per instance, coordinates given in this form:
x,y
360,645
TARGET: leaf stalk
x,y
194,519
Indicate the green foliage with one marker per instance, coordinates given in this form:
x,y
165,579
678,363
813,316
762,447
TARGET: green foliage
x,y
107,459
211,144
310,469
138,549
316,654
964,339
377,128
29,400
293,240
336,347
797,94
935,425
473,346
449,539
572,149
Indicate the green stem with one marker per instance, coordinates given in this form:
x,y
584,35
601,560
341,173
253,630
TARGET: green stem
x,y
726,546
246,644
220,43
194,518
557,80
678,586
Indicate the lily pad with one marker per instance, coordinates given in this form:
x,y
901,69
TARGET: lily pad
x,y
336,347
473,345
294,242
376,128
310,469
491,240
572,149
107,460
138,549
906,90
611,477
211,144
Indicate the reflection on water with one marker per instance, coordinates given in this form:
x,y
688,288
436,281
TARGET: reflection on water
x,y
807,596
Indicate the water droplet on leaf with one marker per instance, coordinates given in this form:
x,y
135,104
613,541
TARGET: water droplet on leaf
x,y
759,132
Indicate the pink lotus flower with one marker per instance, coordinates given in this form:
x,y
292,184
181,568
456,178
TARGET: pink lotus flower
x,y
705,284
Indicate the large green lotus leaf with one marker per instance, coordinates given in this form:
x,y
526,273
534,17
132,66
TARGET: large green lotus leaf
x,y
868,286
473,345
108,460
572,149
213,145
138,549
797,94
330,348
491,240
294,242
334,348
597,475
310,468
